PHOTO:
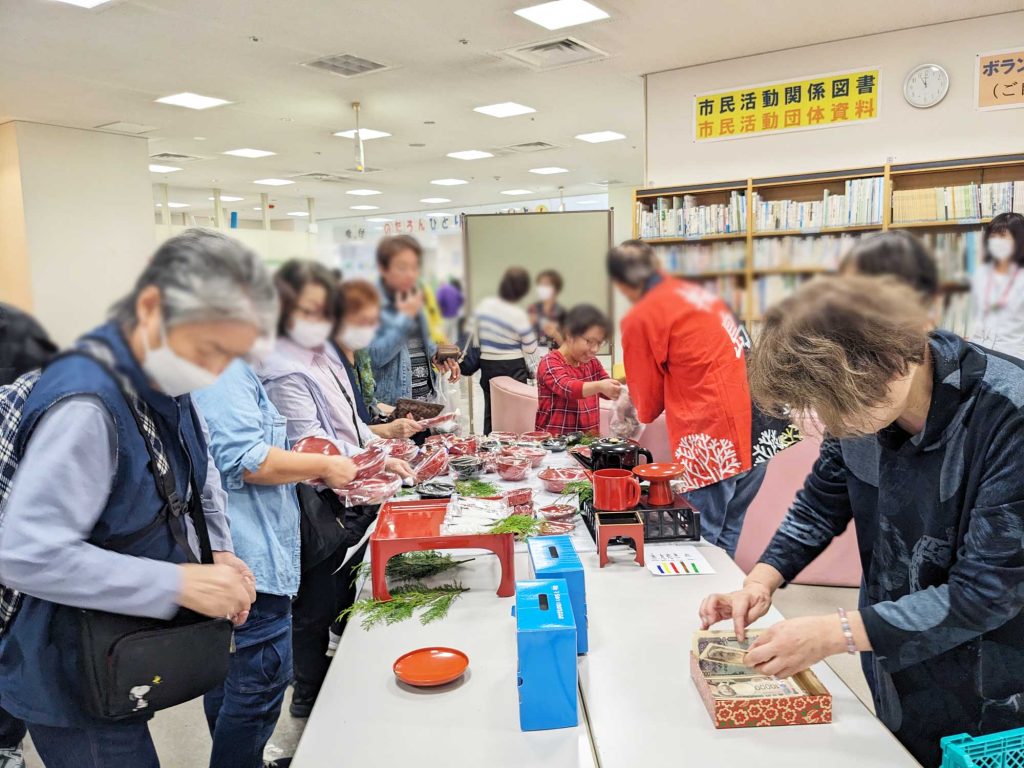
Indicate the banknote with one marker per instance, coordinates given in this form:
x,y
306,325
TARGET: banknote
x,y
721,653
753,687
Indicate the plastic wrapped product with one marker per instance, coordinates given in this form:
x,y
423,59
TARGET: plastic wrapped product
x,y
624,422
370,462
505,438
513,468
558,513
400,448
431,462
463,446
556,478
535,437
465,467
371,490
445,422
519,496
535,454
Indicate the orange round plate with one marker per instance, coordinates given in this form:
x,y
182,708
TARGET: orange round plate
x,y
428,667
660,471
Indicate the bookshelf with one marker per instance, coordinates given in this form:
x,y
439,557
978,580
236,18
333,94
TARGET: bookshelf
x,y
753,241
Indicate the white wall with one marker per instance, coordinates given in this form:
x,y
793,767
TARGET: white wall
x,y
15,274
951,129
273,246
87,223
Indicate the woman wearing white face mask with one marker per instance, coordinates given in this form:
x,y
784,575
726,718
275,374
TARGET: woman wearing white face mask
x,y
997,288
547,315
87,524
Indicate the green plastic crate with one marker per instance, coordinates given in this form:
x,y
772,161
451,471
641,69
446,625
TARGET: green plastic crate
x,y
997,750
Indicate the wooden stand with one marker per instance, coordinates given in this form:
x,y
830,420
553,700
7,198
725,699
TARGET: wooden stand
x,y
611,525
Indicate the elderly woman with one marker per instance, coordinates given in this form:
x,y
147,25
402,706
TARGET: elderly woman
x,y
925,455
86,525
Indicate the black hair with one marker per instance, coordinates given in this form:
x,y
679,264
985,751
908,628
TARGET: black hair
x,y
899,254
1012,223
296,274
515,284
554,277
582,318
632,262
389,247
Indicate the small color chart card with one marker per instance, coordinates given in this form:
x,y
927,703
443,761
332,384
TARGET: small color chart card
x,y
676,560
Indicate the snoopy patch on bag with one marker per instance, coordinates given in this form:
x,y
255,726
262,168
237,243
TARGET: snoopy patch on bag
x,y
138,693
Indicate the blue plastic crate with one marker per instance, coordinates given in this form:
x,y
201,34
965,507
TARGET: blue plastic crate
x,y
997,750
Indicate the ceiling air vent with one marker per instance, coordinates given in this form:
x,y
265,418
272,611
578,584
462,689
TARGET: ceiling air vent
x,y
529,146
551,54
174,157
347,65
122,126
328,178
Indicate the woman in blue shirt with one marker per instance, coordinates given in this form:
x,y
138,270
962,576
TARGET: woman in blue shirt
x,y
249,446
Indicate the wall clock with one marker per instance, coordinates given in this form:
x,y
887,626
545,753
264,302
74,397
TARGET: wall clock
x,y
925,86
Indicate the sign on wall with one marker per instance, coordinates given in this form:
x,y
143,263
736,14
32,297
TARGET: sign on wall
x,y
824,101
1000,79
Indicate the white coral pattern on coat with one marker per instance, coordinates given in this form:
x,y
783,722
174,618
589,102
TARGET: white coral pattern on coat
x,y
707,460
771,441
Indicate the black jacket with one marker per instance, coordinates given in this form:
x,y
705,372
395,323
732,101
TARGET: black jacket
x,y
24,345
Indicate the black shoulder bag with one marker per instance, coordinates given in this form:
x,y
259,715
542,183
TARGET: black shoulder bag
x,y
133,666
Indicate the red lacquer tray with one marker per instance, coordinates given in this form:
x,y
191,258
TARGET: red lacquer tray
x,y
415,526
431,667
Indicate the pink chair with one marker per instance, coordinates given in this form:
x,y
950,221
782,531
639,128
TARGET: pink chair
x,y
838,565
514,406
655,439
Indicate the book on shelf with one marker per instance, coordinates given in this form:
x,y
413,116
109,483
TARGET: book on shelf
x,y
698,257
956,253
815,252
860,204
682,216
771,289
729,289
957,203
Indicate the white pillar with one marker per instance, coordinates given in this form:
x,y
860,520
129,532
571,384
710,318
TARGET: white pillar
x,y
265,210
218,210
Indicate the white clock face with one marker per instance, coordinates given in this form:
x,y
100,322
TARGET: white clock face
x,y
925,86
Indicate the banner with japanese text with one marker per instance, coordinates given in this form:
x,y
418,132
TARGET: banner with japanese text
x,y
824,101
1000,82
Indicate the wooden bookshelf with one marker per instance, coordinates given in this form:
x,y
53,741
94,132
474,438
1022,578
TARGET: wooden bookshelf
x,y
807,187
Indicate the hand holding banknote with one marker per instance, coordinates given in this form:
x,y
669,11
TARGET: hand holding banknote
x,y
744,607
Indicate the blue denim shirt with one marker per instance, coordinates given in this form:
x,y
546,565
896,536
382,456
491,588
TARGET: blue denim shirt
x,y
389,352
244,425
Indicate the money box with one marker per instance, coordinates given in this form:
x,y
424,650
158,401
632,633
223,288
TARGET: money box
x,y
546,644
554,557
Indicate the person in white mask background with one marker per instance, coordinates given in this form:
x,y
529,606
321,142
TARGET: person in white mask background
x,y
997,288
546,314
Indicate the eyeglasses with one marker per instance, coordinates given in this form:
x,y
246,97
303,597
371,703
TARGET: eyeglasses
x,y
593,343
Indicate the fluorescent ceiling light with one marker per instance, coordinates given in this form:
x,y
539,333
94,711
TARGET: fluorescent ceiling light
x,y
505,109
228,198
470,154
257,208
85,3
562,13
516,192
437,215
549,170
435,200
380,221
192,101
364,133
599,136
363,192
173,205
365,207
246,152
273,182
298,213
154,168
449,182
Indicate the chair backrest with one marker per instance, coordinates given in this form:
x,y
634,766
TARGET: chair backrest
x,y
655,439
514,406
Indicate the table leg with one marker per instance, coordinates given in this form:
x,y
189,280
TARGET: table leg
x,y
505,549
378,564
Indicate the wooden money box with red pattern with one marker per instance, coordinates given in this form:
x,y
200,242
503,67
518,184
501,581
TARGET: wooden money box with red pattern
x,y
811,709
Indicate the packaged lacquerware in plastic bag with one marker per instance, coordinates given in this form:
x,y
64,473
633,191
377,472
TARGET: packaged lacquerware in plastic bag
x,y
371,490
624,423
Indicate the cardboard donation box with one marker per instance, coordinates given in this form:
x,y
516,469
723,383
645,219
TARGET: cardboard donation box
x,y
554,557
739,697
546,642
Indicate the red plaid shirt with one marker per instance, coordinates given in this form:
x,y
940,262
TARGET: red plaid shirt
x,y
561,407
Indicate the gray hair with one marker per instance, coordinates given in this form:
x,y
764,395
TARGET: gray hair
x,y
205,276
632,262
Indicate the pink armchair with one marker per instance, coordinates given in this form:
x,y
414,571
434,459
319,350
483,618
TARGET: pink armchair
x,y
514,406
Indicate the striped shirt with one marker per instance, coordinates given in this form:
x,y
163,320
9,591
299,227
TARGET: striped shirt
x,y
505,332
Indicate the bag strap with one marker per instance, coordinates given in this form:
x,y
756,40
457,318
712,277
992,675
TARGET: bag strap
x,y
472,340
163,475
351,405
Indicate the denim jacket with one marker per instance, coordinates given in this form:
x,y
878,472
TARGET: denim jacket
x,y
389,352
244,425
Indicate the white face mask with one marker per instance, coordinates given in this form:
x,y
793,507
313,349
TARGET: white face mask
x,y
172,374
545,292
1001,248
356,337
310,334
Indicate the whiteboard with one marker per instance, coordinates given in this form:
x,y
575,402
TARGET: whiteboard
x,y
574,243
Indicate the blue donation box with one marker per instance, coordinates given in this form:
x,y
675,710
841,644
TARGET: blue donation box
x,y
546,641
554,557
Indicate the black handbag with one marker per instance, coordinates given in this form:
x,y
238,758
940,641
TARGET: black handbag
x,y
133,666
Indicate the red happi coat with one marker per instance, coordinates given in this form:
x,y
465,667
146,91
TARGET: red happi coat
x,y
684,354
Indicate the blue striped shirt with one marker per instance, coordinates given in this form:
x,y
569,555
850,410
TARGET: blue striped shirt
x,y
505,332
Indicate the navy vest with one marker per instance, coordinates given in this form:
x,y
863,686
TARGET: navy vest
x,y
39,679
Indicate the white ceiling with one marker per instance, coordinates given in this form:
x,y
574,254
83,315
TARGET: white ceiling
x,y
64,65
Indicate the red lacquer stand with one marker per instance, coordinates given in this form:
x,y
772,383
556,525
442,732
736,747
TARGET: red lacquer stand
x,y
415,526
611,525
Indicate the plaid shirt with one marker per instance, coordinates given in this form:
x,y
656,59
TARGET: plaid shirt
x,y
561,407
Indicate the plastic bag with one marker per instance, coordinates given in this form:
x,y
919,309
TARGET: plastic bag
x,y
624,422
371,490
370,462
400,448
430,462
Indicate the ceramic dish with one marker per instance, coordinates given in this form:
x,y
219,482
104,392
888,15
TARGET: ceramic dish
x,y
513,467
535,454
555,479
557,513
431,667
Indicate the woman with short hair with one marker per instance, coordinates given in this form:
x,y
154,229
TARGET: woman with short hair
x,y
86,524
997,288
547,315
508,345
925,454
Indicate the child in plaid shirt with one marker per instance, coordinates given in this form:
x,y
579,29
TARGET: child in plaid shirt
x,y
570,379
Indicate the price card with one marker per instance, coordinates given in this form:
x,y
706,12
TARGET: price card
x,y
676,560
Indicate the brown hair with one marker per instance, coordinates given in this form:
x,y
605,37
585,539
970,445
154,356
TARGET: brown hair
x,y
515,284
899,254
632,262
296,274
835,345
358,294
554,277
389,247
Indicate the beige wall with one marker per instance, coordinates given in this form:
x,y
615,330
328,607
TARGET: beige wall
x,y
15,274
87,220
951,129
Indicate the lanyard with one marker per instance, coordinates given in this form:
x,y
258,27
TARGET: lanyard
x,y
1001,304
